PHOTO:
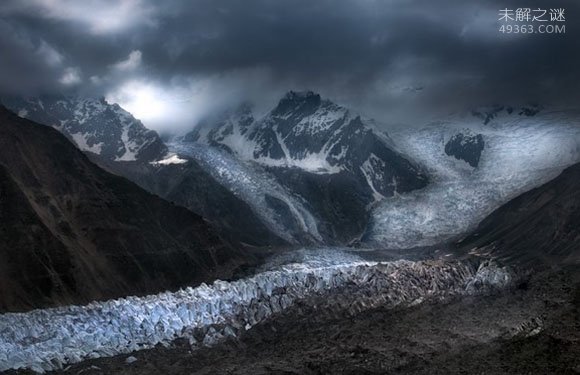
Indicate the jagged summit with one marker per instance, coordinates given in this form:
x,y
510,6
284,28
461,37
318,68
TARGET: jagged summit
x,y
316,135
300,95
94,126
328,156
305,101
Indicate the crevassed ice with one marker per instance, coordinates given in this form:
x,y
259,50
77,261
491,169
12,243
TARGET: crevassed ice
x,y
520,153
47,339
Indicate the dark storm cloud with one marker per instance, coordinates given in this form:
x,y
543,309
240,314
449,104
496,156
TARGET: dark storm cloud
x,y
374,55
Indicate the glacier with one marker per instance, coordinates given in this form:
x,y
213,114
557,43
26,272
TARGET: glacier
x,y
253,185
49,339
521,152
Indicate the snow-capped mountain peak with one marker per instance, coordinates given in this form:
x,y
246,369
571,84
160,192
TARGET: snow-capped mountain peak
x,y
93,125
315,135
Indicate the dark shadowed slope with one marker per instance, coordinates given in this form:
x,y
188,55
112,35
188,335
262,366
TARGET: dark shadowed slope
x,y
191,186
119,143
540,225
71,232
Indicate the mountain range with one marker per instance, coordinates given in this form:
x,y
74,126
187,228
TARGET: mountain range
x,y
334,160
310,134
93,125
119,143
326,166
476,163
75,232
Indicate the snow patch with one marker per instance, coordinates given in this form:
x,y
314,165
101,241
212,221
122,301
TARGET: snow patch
x,y
172,159
230,134
371,168
81,141
129,146
320,121
313,163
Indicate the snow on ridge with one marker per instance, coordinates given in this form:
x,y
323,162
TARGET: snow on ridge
x,y
310,162
86,108
321,120
315,162
43,340
113,132
240,140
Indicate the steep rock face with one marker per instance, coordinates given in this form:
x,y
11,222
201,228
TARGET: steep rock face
x,y
280,211
113,139
467,147
330,158
541,225
316,136
72,232
337,200
190,185
93,125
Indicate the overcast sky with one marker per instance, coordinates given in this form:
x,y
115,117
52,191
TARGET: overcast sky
x,y
170,62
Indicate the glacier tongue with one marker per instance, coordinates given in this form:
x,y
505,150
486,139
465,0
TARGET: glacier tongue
x,y
44,340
